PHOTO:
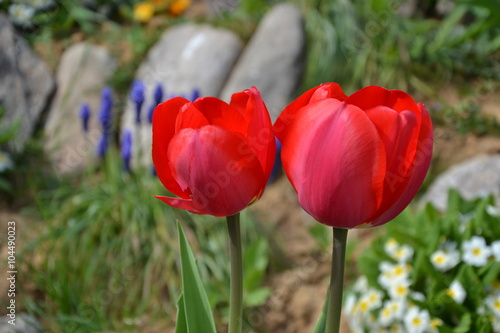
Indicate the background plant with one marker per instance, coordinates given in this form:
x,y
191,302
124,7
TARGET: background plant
x,y
432,272
106,254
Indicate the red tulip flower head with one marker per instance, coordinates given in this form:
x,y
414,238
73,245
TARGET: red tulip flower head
x,y
216,157
355,160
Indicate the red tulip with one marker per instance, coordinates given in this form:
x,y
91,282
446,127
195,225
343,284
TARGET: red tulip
x,y
215,156
355,160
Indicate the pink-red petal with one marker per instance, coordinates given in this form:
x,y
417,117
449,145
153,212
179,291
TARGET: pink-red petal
x,y
164,120
287,116
260,137
373,96
208,163
336,161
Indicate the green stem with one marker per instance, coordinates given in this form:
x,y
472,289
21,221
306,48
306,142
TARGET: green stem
x,y
336,281
236,284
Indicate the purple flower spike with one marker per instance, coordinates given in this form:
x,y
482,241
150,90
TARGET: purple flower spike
x,y
102,146
150,113
137,96
195,94
158,94
105,110
126,149
85,116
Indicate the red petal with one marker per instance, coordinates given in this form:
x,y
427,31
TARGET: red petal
x,y
210,164
374,96
190,117
164,119
221,114
399,133
327,90
419,167
260,137
334,158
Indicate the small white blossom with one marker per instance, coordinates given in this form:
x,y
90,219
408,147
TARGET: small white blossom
x,y
22,15
457,292
391,246
361,284
392,310
434,325
495,249
403,253
417,296
475,251
41,4
393,273
493,303
350,301
5,162
399,289
444,261
416,320
493,210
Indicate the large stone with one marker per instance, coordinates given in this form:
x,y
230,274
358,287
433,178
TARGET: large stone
x,y
82,73
25,85
187,57
272,60
473,178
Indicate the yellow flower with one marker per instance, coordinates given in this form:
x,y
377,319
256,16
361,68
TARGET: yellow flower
x,y
179,6
144,11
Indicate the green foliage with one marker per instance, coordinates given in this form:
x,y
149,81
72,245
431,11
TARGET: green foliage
x,y
7,133
106,255
437,247
365,43
197,312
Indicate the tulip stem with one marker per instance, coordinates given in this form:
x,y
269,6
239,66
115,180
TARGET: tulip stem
x,y
236,284
336,281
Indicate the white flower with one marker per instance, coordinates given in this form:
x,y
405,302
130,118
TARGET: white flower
x,y
493,303
495,249
456,291
391,246
22,15
417,296
416,320
373,298
361,284
403,253
493,210
399,289
393,273
5,161
475,251
444,261
392,310
434,325
350,301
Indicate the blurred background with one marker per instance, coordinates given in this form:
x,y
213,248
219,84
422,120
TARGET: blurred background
x,y
96,252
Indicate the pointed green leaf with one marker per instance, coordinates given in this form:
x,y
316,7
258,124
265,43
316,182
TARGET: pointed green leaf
x,y
181,324
320,326
197,309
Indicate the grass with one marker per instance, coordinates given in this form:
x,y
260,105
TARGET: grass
x,y
105,255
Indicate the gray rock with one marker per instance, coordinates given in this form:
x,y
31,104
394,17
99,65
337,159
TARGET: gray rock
x,y
82,73
272,60
25,86
187,56
473,178
24,323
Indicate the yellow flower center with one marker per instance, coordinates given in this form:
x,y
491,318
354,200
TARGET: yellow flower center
x,y
477,251
416,321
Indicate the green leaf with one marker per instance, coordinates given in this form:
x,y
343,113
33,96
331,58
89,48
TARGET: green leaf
x,y
181,324
197,309
321,323
257,296
464,325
